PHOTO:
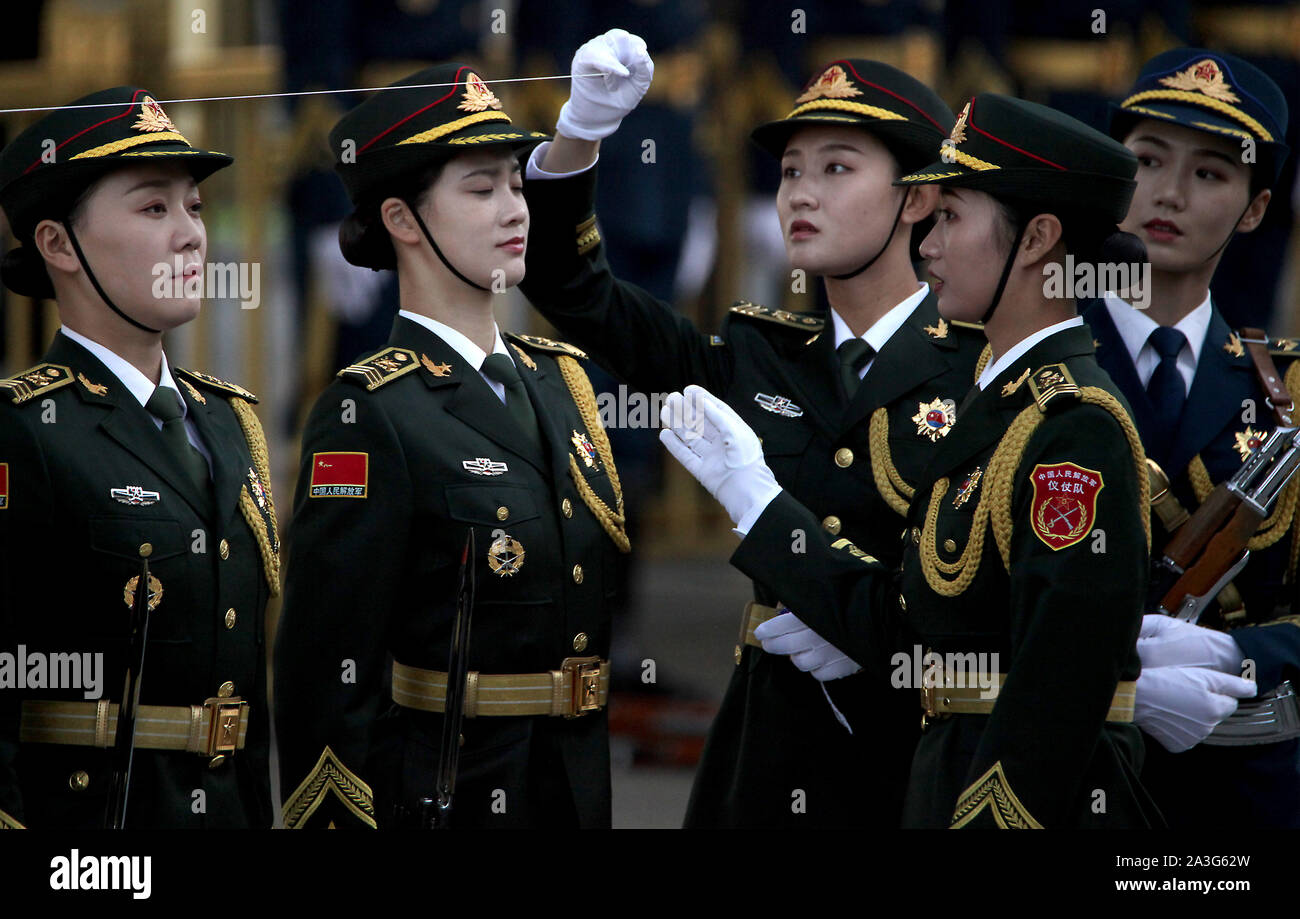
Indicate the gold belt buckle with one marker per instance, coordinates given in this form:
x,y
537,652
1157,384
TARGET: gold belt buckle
x,y
223,728
585,673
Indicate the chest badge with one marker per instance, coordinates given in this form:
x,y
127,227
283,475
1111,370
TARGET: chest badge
x,y
134,495
967,488
585,449
481,465
1248,441
1065,503
935,418
1233,345
155,592
505,556
778,405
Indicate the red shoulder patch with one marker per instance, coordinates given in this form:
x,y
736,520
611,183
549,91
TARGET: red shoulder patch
x,y
1065,502
4,486
339,475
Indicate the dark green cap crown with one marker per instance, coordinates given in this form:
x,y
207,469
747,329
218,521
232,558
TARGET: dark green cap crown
x,y
46,168
1011,148
402,129
905,113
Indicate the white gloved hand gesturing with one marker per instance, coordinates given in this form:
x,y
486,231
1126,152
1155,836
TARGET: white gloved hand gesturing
x,y
597,106
1180,706
1167,642
715,445
786,634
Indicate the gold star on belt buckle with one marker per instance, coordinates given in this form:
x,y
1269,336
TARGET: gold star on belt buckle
x,y
585,673
223,728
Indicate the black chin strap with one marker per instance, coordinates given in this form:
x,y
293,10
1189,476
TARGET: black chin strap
x,y
94,281
871,261
1006,272
438,252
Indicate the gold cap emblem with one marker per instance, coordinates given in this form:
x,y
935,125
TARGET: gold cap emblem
x,y
152,117
958,134
477,95
832,84
1205,77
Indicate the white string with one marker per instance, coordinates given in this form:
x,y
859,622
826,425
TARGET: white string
x,y
309,92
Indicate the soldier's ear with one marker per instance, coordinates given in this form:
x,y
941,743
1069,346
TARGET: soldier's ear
x,y
921,203
399,221
1255,212
1042,235
51,241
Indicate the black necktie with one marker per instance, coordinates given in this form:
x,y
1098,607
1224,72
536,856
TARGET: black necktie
x,y
854,354
1166,389
165,404
501,368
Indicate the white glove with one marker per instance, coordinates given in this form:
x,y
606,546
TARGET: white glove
x,y
1166,642
786,634
706,436
596,107
1180,706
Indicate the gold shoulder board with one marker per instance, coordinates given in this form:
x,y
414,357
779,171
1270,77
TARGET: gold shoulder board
x,y
36,381
208,381
1049,382
548,344
380,368
780,317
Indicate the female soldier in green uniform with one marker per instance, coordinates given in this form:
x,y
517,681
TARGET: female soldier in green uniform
x,y
109,454
1025,560
452,426
850,403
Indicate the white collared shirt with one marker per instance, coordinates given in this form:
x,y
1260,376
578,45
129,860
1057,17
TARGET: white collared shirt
x,y
140,387
882,329
1018,350
460,343
1135,328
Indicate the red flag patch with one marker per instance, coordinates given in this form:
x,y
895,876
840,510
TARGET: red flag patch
x,y
1065,502
4,486
339,475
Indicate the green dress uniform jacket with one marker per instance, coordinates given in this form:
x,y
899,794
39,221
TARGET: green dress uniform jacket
x,y
1028,541
851,462
371,583
89,481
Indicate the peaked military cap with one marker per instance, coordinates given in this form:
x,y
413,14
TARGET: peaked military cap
x,y
1016,149
401,129
901,110
1210,92
47,167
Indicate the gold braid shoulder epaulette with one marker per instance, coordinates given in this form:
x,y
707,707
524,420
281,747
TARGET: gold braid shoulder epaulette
x,y
611,519
550,345
801,321
34,381
380,368
999,482
216,384
255,501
